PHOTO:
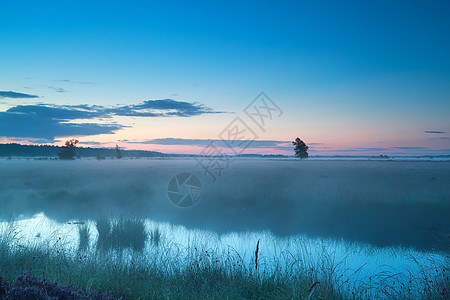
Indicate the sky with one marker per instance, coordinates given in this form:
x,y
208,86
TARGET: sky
x,y
347,77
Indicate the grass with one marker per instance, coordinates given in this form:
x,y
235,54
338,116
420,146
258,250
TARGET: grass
x,y
167,272
121,234
85,235
155,236
204,275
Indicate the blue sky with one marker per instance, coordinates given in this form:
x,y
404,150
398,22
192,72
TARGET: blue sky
x,y
349,76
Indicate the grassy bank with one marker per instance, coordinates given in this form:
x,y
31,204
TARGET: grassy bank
x,y
201,273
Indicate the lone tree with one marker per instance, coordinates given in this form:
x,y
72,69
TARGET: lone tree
x,y
301,150
68,151
118,152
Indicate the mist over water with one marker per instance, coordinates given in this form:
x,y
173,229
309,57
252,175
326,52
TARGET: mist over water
x,y
381,203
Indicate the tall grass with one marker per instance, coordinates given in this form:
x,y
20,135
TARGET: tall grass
x,y
202,274
121,234
85,236
168,271
155,236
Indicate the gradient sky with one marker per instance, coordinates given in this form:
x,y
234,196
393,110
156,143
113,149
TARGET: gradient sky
x,y
349,77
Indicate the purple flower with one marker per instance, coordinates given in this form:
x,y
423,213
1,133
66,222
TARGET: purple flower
x,y
30,287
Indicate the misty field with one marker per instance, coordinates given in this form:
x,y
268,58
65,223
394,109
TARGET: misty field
x,y
263,229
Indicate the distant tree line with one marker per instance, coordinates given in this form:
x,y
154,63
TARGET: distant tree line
x,y
17,150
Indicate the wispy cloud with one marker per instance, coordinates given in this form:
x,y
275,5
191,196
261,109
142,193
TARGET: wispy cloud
x,y
362,150
437,138
57,89
260,144
72,81
32,140
54,112
91,143
162,108
391,151
410,148
434,131
11,94
372,149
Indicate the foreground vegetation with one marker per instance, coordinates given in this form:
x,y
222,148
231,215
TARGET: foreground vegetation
x,y
28,286
115,266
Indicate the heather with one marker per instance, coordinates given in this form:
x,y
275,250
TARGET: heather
x,y
27,286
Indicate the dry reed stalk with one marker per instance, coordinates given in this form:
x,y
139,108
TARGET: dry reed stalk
x,y
256,255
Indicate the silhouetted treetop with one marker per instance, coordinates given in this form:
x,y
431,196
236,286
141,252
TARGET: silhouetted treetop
x,y
300,148
68,151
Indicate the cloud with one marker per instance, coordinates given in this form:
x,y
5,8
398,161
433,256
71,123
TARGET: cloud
x,y
150,108
434,131
57,89
410,148
174,141
257,144
436,138
10,94
261,144
91,143
36,125
33,140
72,81
362,150
47,121
373,149
388,149
62,113
163,108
